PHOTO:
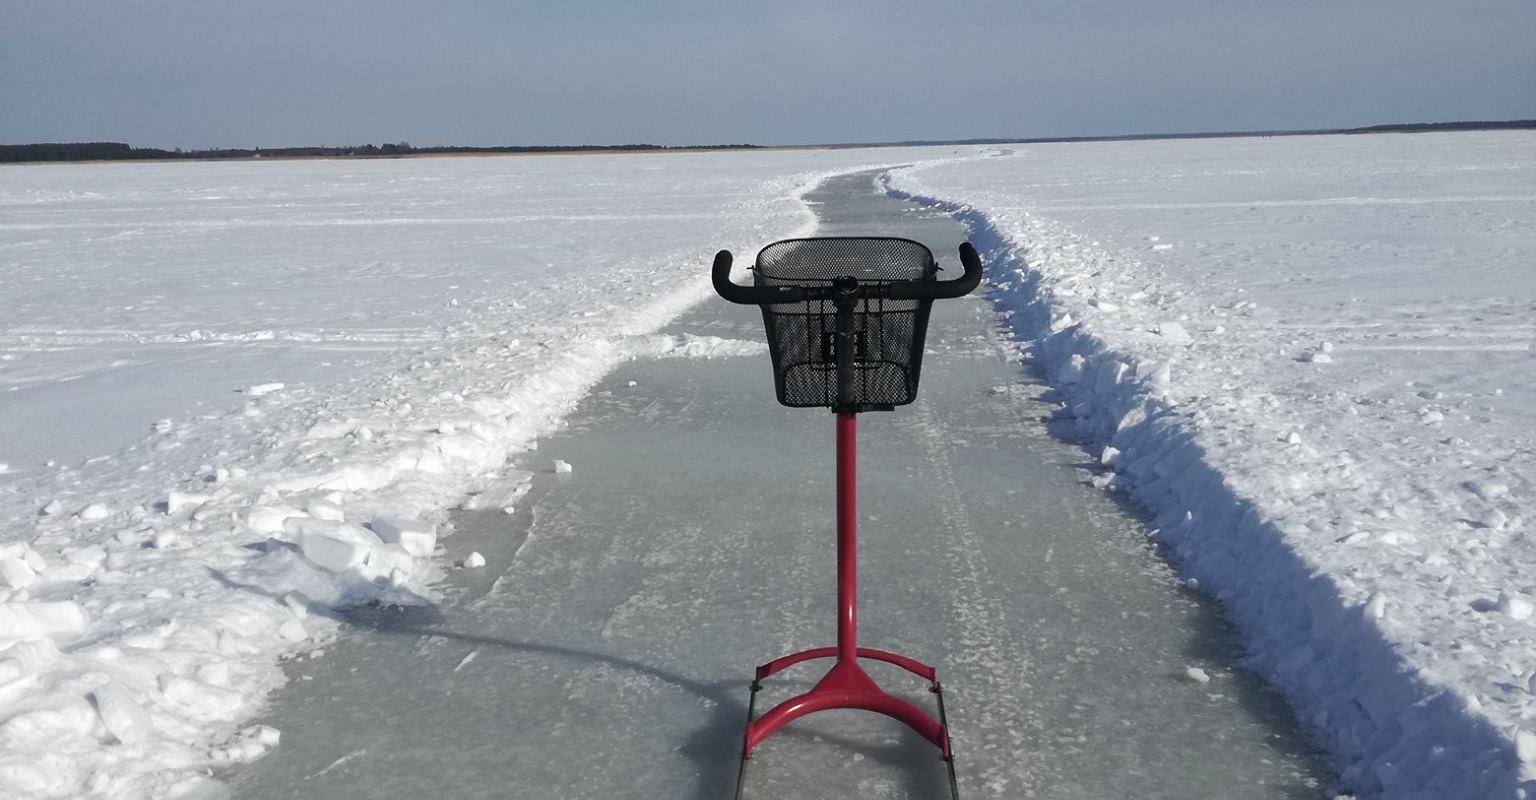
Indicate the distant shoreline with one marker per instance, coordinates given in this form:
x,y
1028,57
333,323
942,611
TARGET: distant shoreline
x,y
102,152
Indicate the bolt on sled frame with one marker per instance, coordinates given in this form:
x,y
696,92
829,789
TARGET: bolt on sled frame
x,y
846,318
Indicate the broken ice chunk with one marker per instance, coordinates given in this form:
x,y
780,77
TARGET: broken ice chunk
x,y
292,630
177,502
562,467
390,558
1515,606
1493,519
93,512
474,560
210,702
122,714
266,734
502,493
1376,606
269,519
15,574
26,658
35,620
335,546
1173,332
417,537
297,604
1525,746
90,557
1072,371
321,509
1488,490
261,389
1196,675
334,554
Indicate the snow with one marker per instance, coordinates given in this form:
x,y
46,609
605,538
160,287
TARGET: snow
x,y
124,718
1319,448
57,620
222,384
235,394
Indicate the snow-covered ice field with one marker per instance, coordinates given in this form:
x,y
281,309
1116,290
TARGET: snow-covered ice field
x,y
1313,359
623,604
1310,357
196,357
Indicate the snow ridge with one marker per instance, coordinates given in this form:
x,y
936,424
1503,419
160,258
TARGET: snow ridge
x,y
1391,727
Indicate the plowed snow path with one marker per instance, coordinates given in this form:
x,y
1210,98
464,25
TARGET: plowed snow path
x,y
605,649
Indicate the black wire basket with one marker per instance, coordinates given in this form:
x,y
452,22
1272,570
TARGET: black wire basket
x,y
887,334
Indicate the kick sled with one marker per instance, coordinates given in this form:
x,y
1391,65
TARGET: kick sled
x,y
846,318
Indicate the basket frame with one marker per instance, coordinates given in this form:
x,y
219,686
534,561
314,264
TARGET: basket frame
x,y
842,331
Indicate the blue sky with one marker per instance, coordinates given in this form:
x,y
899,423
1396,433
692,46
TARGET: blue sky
x,y
204,74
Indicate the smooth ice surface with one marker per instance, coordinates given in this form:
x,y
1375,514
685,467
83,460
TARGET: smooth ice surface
x,y
606,648
1313,360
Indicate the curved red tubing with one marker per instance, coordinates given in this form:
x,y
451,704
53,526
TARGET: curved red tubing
x,y
847,685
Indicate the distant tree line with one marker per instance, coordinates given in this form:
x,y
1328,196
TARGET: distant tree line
x,y
117,151
1422,127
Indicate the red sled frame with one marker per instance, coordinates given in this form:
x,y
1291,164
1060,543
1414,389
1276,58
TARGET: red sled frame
x,y
846,684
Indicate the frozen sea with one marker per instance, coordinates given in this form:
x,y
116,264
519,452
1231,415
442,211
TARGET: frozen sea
x,y
235,398
605,649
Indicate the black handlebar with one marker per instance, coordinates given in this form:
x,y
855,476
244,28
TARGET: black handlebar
x,y
720,274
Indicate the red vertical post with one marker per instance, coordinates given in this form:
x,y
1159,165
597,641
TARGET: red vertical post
x,y
847,525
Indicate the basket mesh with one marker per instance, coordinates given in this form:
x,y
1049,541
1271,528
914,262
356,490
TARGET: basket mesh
x,y
888,334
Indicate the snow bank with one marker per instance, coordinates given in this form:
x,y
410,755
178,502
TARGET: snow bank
x,y
1363,516
380,339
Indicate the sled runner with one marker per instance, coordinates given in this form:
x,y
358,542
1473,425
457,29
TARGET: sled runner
x,y
846,318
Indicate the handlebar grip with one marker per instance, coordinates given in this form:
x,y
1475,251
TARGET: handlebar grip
x,y
720,275
942,290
